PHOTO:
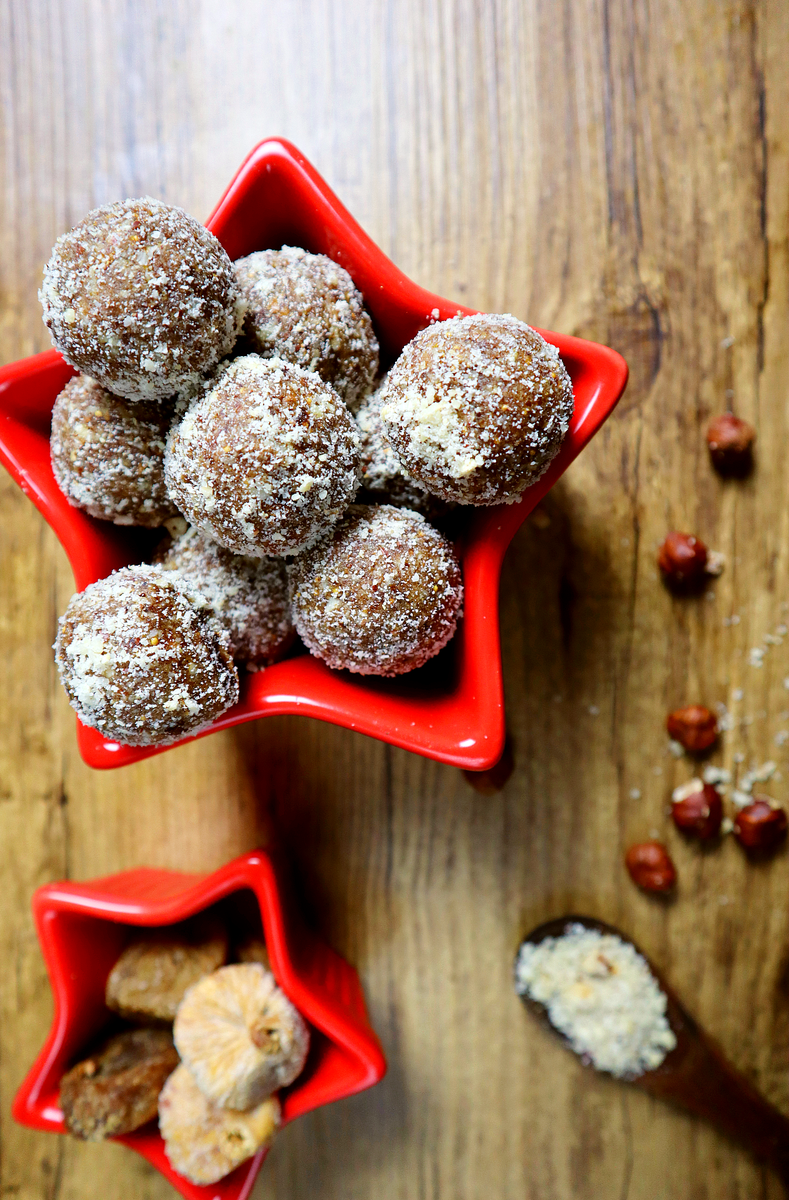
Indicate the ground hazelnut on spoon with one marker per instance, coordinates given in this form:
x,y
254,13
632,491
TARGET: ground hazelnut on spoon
x,y
683,560
697,809
694,727
761,825
730,440
650,867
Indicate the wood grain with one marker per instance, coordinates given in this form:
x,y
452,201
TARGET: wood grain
x,y
612,168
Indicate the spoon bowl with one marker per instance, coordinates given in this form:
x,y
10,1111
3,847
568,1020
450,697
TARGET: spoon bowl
x,y
695,1075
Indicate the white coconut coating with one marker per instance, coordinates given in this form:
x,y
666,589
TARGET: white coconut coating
x,y
266,461
247,596
380,594
108,454
306,309
476,408
142,297
384,479
140,662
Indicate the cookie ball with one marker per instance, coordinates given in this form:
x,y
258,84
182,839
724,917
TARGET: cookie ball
x,y
380,594
477,407
141,297
247,596
140,662
266,461
108,454
384,479
306,309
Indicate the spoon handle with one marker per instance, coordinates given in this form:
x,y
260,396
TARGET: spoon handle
x,y
698,1078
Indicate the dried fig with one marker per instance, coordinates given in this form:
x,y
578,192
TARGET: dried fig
x,y
240,1036
157,966
203,1141
116,1090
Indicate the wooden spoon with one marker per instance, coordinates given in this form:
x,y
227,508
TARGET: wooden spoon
x,y
695,1075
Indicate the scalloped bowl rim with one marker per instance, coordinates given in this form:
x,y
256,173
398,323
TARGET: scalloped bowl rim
x,y
460,720
324,988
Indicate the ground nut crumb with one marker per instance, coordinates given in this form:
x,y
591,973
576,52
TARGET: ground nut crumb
x,y
600,993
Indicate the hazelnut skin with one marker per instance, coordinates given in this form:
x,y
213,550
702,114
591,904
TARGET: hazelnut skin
x,y
730,440
651,867
694,727
683,561
760,826
700,814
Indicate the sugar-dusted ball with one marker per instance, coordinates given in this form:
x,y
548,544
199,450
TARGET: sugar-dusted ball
x,y
476,408
247,596
140,662
384,479
108,454
141,297
266,461
306,309
380,594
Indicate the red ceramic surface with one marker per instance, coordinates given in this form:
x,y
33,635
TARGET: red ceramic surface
x,y
81,927
452,709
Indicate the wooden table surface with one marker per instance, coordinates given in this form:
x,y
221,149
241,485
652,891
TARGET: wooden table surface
x,y
611,168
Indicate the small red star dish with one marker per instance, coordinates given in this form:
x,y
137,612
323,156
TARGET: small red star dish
x,y
453,708
82,927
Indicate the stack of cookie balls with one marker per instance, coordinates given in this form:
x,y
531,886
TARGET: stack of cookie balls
x,y
239,407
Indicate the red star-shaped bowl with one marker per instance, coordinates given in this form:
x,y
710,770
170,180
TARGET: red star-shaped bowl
x,y
82,927
453,708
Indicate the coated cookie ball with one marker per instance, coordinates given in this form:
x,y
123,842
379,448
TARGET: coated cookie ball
x,y
384,479
139,662
380,594
266,461
108,454
247,596
141,297
476,408
306,309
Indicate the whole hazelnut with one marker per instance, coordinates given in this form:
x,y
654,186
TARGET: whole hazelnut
x,y
697,810
730,440
650,866
683,561
694,727
761,825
